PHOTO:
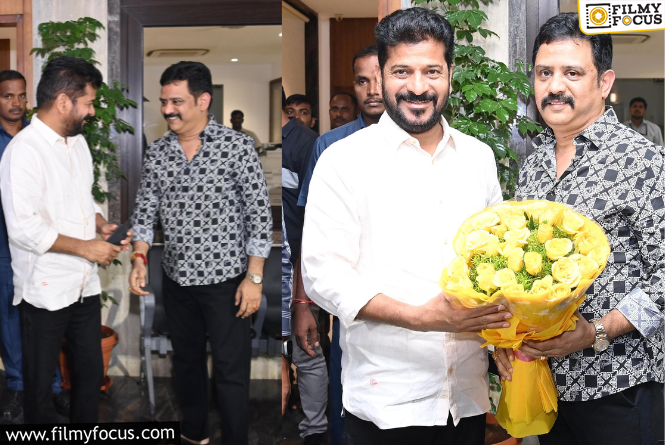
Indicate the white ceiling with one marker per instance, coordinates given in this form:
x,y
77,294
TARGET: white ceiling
x,y
348,8
248,44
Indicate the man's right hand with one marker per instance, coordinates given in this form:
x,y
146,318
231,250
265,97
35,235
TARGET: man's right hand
x,y
304,323
137,277
440,314
101,252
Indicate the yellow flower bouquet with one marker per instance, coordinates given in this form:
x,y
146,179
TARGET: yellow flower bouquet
x,y
537,258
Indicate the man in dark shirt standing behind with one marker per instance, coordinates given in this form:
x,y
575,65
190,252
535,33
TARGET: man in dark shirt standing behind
x,y
205,183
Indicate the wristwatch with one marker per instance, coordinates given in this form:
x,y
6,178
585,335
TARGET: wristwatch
x,y
602,342
287,348
255,278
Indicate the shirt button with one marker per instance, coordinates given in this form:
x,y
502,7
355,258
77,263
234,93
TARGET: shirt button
x,y
445,241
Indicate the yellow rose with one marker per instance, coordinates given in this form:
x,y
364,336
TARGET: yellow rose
x,y
557,248
486,280
545,233
458,282
535,209
504,277
566,271
572,222
460,245
516,259
533,262
560,290
485,220
542,285
588,266
499,230
519,236
515,222
600,254
507,247
476,240
458,267
585,241
551,216
513,289
484,268
492,246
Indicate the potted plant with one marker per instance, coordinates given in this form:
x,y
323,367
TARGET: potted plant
x,y
72,38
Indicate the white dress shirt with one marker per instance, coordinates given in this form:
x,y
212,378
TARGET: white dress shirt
x,y
46,185
380,218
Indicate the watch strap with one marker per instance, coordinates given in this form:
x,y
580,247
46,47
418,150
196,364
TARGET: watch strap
x,y
601,334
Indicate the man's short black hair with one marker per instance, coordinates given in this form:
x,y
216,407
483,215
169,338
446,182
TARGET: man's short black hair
x,y
411,26
68,75
632,101
297,99
371,50
11,75
237,112
343,93
197,75
566,26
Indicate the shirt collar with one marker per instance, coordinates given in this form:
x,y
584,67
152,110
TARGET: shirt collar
x,y
597,133
286,129
48,133
25,124
396,136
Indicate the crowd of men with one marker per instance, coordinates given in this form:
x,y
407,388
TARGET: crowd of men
x,y
381,196
204,183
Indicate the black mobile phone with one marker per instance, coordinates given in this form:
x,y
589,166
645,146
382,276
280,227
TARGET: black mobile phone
x,y
119,234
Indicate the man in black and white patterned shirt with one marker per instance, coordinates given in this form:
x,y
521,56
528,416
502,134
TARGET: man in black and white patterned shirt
x,y
609,392
205,183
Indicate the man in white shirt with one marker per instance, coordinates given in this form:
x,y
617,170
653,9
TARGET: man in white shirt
x,y
384,205
52,220
651,131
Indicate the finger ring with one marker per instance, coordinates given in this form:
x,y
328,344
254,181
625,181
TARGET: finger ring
x,y
495,354
543,358
255,307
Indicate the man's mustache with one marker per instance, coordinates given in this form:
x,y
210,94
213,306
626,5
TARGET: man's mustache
x,y
411,97
16,110
168,116
559,97
373,100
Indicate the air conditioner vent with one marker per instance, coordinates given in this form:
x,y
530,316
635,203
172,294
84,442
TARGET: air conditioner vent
x,y
177,53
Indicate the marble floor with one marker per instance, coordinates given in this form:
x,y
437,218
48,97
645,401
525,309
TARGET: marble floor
x,y
127,401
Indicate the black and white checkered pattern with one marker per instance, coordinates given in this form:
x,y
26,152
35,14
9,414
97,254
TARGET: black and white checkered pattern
x,y
214,209
617,179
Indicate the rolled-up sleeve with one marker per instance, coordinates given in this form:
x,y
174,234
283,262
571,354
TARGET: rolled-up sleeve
x,y
21,183
331,245
256,202
147,203
644,305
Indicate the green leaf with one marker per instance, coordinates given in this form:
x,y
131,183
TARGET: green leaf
x,y
471,95
502,114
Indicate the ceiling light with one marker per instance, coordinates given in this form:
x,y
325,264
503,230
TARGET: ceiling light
x,y
234,60
280,34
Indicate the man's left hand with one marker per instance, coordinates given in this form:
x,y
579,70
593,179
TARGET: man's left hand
x,y
107,230
248,297
583,336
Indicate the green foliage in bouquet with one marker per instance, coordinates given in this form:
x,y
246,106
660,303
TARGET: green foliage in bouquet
x,y
484,102
523,277
72,38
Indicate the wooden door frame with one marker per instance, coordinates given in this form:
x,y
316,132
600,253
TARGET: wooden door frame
x,y
23,21
138,14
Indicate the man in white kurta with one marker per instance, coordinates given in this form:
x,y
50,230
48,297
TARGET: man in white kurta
x,y
384,206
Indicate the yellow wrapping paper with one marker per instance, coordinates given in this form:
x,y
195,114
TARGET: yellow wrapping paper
x,y
528,404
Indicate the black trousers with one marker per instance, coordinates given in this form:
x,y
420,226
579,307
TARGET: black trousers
x,y
196,314
469,431
42,332
633,416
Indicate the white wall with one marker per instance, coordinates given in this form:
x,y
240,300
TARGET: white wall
x,y
10,33
293,53
246,88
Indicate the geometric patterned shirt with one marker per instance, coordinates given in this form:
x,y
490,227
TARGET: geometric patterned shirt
x,y
616,179
214,209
